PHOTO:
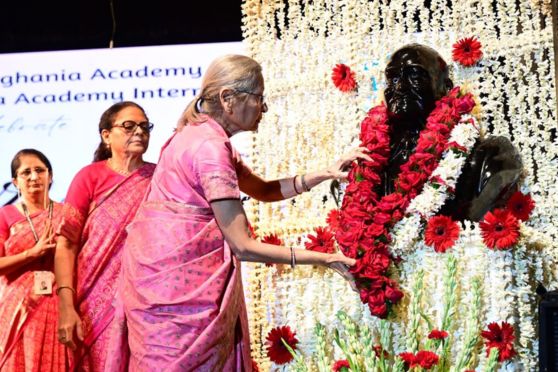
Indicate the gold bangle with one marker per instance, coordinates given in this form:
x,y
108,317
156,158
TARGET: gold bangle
x,y
65,286
305,187
293,258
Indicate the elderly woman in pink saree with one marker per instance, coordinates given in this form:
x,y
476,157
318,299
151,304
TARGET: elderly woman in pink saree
x,y
102,200
28,307
181,279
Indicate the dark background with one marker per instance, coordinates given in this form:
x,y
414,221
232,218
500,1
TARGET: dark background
x,y
27,26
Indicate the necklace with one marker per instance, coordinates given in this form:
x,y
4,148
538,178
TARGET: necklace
x,y
121,171
28,217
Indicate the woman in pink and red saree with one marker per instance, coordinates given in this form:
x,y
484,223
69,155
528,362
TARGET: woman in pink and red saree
x,y
102,200
28,308
181,279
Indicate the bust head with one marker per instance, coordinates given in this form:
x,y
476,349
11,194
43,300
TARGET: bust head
x,y
416,77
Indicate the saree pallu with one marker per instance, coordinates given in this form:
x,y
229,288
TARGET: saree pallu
x,y
98,268
182,293
28,322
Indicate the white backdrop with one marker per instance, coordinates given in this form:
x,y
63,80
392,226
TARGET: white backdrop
x,y
52,101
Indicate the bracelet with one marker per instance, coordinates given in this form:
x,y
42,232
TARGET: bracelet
x,y
65,286
26,253
293,258
294,186
304,184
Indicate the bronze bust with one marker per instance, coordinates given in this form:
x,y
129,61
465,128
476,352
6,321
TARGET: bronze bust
x,y
416,77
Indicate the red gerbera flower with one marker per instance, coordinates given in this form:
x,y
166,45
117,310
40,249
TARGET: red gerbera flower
x,y
341,366
272,239
441,232
333,219
276,350
467,51
343,78
437,334
521,205
500,337
322,242
500,229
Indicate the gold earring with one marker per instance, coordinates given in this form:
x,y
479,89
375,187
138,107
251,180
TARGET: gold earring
x,y
108,145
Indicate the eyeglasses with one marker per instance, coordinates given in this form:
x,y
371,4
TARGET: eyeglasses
x,y
261,97
130,126
26,173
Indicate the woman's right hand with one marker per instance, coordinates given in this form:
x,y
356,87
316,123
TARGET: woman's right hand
x,y
45,244
69,326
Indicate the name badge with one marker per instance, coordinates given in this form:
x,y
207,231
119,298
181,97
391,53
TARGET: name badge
x,y
43,282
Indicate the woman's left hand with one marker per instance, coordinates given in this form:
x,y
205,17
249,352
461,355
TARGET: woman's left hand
x,y
339,169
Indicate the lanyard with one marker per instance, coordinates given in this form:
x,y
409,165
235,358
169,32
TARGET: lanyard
x,y
28,217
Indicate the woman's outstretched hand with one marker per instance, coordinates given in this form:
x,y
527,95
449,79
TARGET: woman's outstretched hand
x,y
339,169
341,263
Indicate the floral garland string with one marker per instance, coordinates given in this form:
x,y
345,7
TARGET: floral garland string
x,y
365,219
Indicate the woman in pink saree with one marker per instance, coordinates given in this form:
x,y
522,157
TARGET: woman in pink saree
x,y
28,307
181,279
102,200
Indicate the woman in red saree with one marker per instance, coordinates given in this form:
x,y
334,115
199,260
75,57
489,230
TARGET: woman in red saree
x,y
181,282
28,308
101,201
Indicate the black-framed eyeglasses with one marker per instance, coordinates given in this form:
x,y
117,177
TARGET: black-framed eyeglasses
x,y
261,97
130,126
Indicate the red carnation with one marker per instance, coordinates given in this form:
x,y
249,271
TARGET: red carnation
x,y
333,219
500,229
441,232
272,239
437,334
424,359
343,78
467,51
276,350
500,337
341,366
322,242
521,205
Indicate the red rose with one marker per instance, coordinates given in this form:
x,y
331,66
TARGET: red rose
x,y
441,232
380,311
393,294
410,180
465,104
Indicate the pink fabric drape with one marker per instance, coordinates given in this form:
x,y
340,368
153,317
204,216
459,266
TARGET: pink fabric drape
x,y
101,234
182,287
28,322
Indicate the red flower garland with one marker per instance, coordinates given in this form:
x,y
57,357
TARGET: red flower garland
x,y
343,78
520,205
467,51
276,350
500,229
441,232
500,337
366,218
322,242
